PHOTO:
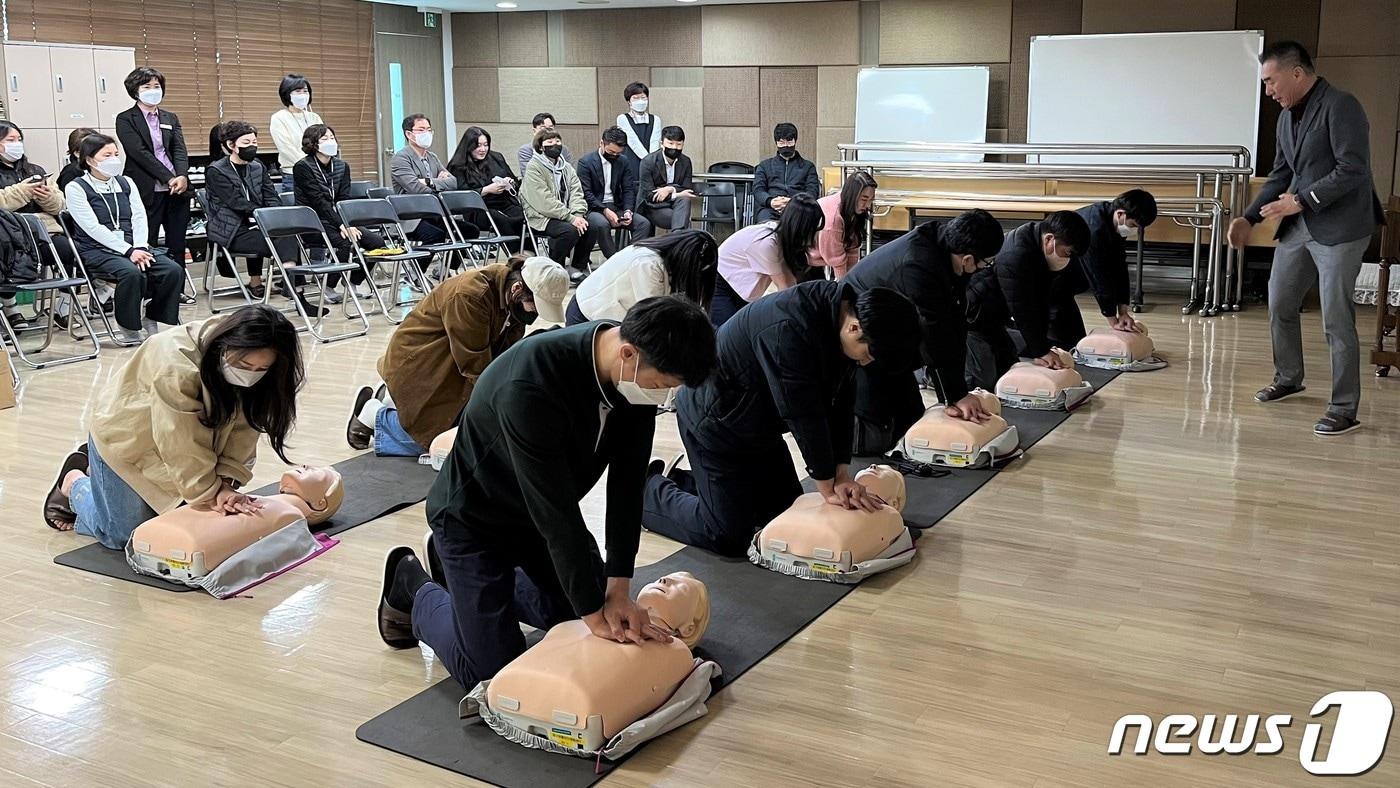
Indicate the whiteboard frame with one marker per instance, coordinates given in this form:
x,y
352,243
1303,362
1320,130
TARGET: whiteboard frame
x,y
1252,144
886,156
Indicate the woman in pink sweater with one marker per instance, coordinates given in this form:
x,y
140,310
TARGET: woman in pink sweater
x,y
847,217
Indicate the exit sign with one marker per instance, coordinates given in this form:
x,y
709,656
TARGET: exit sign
x,y
430,19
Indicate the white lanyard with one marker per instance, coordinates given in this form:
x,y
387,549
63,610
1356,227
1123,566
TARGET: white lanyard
x,y
112,207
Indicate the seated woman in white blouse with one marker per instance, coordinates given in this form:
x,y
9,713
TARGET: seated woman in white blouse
x,y
679,263
112,240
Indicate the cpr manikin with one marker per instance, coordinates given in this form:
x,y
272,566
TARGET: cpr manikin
x,y
947,440
579,694
816,540
227,553
439,449
1126,351
1030,386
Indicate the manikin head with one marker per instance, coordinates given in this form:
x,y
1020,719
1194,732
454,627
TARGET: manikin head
x,y
680,603
320,488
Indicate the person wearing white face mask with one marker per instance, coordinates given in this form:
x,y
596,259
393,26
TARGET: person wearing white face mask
x,y
1025,287
1103,267
289,123
26,188
643,129
113,241
323,179
546,418
157,162
415,169
180,422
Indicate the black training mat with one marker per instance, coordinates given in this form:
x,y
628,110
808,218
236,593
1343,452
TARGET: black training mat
x,y
931,499
752,612
374,487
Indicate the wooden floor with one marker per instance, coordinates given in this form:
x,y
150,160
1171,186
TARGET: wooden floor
x,y
1175,547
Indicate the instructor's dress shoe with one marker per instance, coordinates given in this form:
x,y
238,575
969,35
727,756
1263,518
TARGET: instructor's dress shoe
x,y
396,617
357,434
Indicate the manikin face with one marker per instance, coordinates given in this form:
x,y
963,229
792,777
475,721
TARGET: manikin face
x,y
319,487
853,342
678,602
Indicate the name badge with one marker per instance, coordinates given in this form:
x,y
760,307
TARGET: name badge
x,y
167,126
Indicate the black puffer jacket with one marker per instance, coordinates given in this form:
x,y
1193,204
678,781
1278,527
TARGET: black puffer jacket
x,y
778,177
1026,288
1104,266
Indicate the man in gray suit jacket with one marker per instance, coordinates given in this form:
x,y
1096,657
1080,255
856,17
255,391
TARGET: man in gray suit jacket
x,y
416,170
1320,189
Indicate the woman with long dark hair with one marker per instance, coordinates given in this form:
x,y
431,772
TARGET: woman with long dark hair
x,y
682,262
847,218
768,253
480,169
180,422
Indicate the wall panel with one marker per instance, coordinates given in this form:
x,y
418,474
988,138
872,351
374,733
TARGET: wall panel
x,y
570,94
731,97
1374,81
819,34
828,137
476,94
836,95
1030,18
734,143
475,40
506,138
684,107
787,95
524,39
611,81
921,32
614,37
1115,16
1359,27
1281,20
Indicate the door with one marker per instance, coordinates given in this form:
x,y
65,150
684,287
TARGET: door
x,y
408,76
27,85
74,87
110,67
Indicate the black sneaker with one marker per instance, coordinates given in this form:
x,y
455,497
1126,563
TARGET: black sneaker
x,y
356,433
312,311
1334,424
1275,392
395,624
188,300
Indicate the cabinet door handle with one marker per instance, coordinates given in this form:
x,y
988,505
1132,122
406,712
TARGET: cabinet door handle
x,y
58,79
14,82
101,84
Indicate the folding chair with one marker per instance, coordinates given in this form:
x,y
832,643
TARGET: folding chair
x,y
716,205
380,214
461,203
743,190
70,230
427,206
287,198
45,288
294,222
377,192
359,190
215,253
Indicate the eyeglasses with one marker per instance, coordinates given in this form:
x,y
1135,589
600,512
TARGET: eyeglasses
x,y
984,264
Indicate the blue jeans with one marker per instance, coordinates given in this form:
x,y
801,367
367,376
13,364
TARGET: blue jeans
x,y
390,440
473,625
287,184
108,509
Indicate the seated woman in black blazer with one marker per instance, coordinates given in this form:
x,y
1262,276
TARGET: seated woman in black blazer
x,y
320,181
480,169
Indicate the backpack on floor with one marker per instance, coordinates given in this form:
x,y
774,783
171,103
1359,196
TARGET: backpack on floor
x,y
17,262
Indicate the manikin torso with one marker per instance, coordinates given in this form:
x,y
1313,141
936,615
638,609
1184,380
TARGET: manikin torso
x,y
1029,379
1114,344
579,690
832,537
948,440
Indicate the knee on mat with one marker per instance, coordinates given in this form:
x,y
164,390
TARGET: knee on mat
x,y
733,544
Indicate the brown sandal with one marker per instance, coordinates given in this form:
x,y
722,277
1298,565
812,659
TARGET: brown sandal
x,y
57,511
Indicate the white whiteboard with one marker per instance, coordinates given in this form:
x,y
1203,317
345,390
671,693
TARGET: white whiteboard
x,y
938,104
1146,88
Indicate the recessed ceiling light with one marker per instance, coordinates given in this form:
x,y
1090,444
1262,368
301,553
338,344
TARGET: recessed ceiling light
x,y
506,5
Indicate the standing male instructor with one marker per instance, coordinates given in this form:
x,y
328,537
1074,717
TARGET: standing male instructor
x,y
1321,175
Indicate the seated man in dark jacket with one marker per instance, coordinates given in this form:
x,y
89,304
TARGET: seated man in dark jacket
x,y
320,180
237,185
786,364
667,186
1104,265
1025,289
610,189
930,265
781,177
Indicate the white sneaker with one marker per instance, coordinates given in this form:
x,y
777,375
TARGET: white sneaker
x,y
128,336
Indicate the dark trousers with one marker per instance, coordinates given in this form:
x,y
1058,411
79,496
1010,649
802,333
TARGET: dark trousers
x,y
428,231
572,314
887,405
170,214
345,252
766,214
565,241
728,494
674,216
250,244
510,221
725,302
161,283
602,232
473,625
990,352
1066,325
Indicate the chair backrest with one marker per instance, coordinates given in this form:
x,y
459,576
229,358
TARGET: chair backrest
x,y
37,230
359,190
287,220
731,168
287,198
458,202
416,206
202,197
719,199
362,213
379,192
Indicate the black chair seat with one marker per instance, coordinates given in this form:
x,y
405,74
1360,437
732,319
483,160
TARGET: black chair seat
x,y
50,284
498,239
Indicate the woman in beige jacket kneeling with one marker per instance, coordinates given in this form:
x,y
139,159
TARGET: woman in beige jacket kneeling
x,y
180,423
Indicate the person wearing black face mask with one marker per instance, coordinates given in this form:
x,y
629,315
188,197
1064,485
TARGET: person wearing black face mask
x,y
666,187
237,185
778,179
434,358
609,181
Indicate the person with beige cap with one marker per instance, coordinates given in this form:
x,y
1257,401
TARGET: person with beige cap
x,y
435,356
